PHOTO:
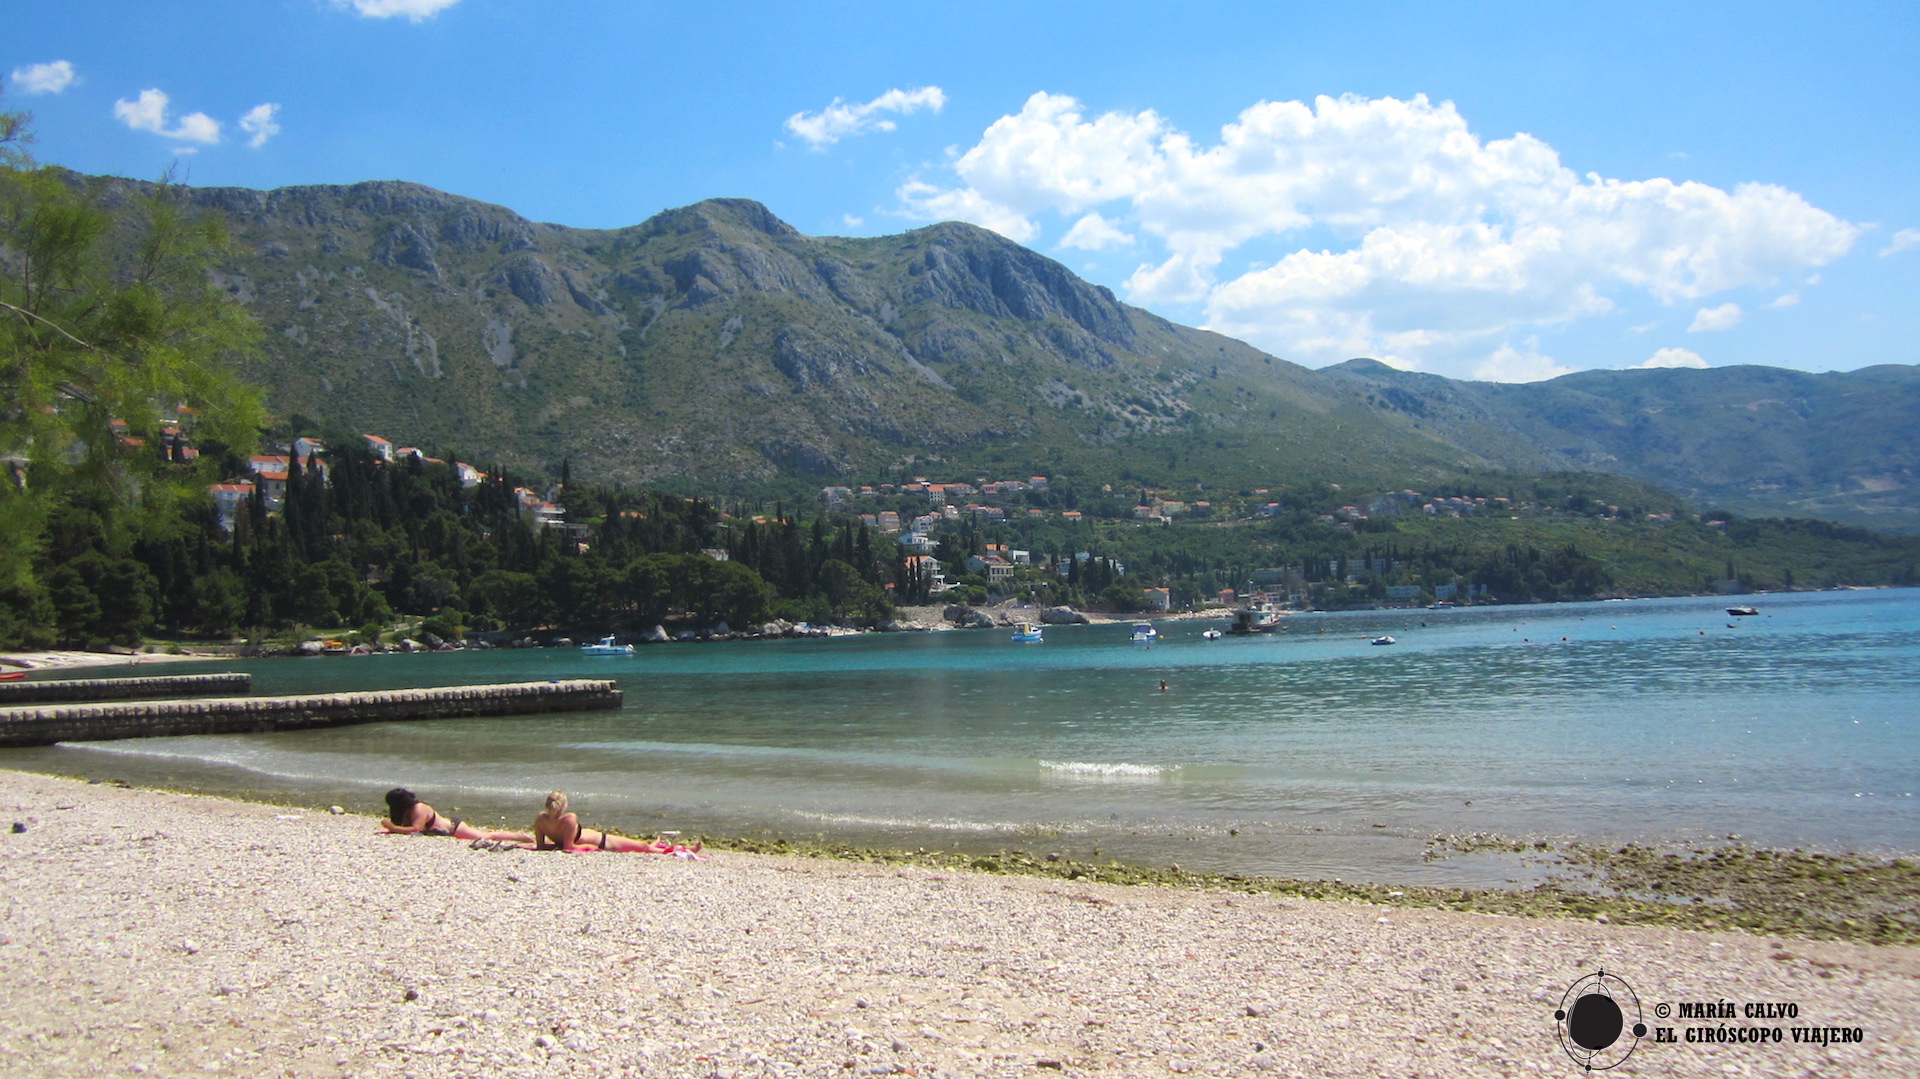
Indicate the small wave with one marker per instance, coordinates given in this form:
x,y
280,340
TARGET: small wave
x,y
946,824
1103,770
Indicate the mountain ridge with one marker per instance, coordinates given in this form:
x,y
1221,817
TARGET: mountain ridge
x,y
714,346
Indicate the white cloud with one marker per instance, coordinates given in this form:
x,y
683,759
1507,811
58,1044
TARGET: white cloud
x,y
852,221
49,78
1433,243
839,119
1671,357
149,113
1901,241
933,204
260,122
1095,233
412,10
1508,364
1786,300
1724,317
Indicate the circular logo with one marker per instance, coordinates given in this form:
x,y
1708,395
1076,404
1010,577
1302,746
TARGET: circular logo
x,y
1592,1021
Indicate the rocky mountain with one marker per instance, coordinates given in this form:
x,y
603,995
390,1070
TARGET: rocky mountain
x,y
1756,440
714,347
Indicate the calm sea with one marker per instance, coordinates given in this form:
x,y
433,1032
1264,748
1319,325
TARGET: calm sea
x,y
1305,753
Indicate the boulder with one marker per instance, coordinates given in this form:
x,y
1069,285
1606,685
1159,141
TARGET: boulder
x,y
656,635
1063,616
308,648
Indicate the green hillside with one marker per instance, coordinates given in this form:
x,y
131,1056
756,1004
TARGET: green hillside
x,y
715,349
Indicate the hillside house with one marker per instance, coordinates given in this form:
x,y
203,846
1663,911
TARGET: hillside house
x,y
993,567
929,568
227,500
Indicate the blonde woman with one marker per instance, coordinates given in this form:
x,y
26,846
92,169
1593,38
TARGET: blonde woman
x,y
558,828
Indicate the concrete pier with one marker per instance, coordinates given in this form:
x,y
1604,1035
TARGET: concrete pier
x,y
45,725
123,689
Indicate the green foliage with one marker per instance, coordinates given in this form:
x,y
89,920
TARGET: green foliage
x,y
109,329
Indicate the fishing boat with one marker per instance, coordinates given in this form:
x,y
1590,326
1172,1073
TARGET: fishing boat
x,y
1143,633
1743,610
1256,617
1026,633
606,647
1384,640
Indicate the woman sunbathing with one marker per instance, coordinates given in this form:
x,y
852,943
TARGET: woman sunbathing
x,y
409,815
558,829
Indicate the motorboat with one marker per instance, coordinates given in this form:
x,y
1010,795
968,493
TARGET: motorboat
x,y
1211,635
1256,617
1384,640
1144,633
1738,611
1027,633
606,647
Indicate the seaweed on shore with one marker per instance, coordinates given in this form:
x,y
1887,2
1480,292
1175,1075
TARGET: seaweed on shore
x,y
1795,893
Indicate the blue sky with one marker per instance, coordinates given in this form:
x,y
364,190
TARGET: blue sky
x,y
1502,191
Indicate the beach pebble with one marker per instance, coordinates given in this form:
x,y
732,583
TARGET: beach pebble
x,y
1099,980
336,810
19,826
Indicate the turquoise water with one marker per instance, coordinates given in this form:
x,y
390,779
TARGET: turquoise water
x,y
1307,752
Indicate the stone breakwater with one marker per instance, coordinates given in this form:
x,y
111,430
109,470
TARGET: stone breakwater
x,y
123,689
38,726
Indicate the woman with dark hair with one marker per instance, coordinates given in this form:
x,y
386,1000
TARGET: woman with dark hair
x,y
409,815
558,828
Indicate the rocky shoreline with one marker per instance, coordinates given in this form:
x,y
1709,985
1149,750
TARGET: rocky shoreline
x,y
167,934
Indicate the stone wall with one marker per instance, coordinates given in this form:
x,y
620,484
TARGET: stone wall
x,y
123,689
37,726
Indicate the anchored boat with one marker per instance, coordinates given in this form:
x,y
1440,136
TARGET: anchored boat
x,y
1256,617
606,647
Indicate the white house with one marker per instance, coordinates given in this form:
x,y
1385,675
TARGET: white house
x,y
227,500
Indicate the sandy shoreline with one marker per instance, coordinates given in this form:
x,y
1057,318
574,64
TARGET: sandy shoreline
x,y
165,934
925,617
60,660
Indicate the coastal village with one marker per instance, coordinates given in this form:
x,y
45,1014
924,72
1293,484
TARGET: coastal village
x,y
916,512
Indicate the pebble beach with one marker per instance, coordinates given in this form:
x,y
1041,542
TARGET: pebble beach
x,y
151,933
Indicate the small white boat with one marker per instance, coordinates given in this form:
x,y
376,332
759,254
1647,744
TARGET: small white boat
x,y
606,647
1027,633
1211,635
1144,633
1383,640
